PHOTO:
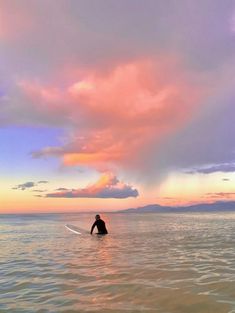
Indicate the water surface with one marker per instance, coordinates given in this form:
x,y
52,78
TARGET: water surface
x,y
166,263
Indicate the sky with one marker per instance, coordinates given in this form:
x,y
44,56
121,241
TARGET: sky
x,y
107,105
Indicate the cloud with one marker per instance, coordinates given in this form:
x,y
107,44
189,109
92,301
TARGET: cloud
x,y
129,101
194,30
25,186
108,186
227,167
117,117
133,118
30,184
222,195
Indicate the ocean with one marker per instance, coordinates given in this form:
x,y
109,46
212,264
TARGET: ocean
x,y
152,262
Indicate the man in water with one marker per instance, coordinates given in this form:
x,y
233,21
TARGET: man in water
x,y
100,224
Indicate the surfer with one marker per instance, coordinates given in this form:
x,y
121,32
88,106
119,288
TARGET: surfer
x,y
100,224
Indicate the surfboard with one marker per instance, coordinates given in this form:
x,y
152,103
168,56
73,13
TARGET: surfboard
x,y
73,229
79,231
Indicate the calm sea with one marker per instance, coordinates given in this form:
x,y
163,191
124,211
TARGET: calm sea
x,y
166,263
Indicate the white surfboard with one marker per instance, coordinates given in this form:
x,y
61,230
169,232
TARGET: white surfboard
x,y
73,229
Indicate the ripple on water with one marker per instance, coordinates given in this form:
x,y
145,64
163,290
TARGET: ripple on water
x,y
166,263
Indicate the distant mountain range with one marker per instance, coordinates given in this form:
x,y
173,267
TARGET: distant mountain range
x,y
203,207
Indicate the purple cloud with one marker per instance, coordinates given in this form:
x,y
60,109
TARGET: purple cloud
x,y
30,184
24,186
227,167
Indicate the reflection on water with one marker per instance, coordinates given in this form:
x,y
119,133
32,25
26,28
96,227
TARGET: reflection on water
x,y
167,263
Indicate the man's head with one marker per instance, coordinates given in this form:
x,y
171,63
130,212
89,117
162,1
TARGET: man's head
x,y
97,217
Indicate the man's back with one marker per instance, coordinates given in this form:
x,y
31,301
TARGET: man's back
x,y
100,224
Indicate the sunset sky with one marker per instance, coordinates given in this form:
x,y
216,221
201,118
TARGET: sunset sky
x,y
107,104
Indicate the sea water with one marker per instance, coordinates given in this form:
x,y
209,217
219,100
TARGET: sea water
x,y
166,263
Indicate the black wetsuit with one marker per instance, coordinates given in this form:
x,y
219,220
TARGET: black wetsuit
x,y
100,224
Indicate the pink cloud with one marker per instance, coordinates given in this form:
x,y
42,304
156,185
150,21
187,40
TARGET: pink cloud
x,y
108,186
117,116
